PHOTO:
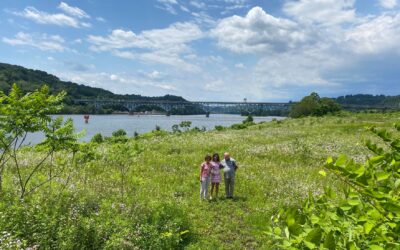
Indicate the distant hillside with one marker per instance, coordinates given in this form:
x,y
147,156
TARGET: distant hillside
x,y
29,80
370,100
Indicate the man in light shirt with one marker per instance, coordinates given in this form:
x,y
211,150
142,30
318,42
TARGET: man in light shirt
x,y
230,168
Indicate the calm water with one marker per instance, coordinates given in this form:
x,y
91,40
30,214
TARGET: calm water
x,y
106,124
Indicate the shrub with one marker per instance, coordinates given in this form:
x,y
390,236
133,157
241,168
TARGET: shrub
x,y
249,119
219,128
239,126
97,138
119,132
366,215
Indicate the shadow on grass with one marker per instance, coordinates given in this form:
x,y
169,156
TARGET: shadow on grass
x,y
234,199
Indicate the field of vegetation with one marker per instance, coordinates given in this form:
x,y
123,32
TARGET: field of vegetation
x,y
143,192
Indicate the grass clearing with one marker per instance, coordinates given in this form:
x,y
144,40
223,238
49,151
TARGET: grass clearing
x,y
278,163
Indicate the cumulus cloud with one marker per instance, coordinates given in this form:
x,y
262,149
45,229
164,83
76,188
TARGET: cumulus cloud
x,y
60,19
377,35
388,4
301,53
258,31
43,42
163,46
326,12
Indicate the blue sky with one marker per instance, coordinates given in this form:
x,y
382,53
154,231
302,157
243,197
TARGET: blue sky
x,y
262,50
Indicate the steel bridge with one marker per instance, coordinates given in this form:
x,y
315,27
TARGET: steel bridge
x,y
207,106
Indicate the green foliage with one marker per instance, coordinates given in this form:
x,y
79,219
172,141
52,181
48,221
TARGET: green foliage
x,y
365,215
175,128
185,125
143,193
22,114
249,119
119,132
219,128
313,105
157,128
97,138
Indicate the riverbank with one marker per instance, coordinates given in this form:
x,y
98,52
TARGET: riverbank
x,y
145,192
106,124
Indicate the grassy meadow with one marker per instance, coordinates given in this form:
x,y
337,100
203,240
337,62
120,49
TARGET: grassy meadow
x,y
145,193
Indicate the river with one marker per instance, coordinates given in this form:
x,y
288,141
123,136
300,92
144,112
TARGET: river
x,y
106,124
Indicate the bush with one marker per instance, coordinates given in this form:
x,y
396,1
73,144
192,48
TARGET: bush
x,y
239,126
118,133
219,128
97,138
249,119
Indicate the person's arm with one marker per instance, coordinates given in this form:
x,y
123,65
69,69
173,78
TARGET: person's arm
x,y
221,166
201,170
236,166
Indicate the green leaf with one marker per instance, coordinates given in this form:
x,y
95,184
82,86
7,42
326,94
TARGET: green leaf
x,y
309,244
368,226
397,183
376,247
376,159
354,202
329,241
382,176
287,233
277,231
341,161
323,173
314,219
314,236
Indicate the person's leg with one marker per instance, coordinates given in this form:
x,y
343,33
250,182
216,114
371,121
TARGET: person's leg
x,y
226,187
201,190
212,189
232,186
216,189
206,188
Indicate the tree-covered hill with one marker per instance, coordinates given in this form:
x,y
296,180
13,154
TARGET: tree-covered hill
x,y
370,100
29,80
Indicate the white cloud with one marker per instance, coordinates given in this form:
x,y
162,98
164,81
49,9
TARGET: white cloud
x,y
198,4
168,5
258,31
73,11
163,46
326,12
43,42
310,59
388,4
59,19
240,66
377,35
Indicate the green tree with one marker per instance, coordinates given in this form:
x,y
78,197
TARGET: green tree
x,y
21,114
314,105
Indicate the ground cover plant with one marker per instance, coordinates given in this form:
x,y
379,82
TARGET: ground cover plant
x,y
143,192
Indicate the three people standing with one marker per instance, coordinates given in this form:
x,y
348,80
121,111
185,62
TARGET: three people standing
x,y
210,171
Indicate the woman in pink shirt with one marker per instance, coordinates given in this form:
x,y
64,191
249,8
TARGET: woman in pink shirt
x,y
215,175
205,172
